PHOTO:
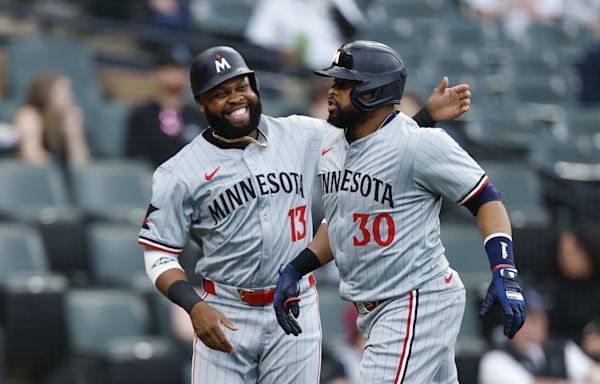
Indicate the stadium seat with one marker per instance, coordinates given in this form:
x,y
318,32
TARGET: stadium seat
x,y
500,129
411,9
108,130
224,17
113,190
464,248
32,315
69,57
21,252
520,189
541,89
115,255
108,331
30,192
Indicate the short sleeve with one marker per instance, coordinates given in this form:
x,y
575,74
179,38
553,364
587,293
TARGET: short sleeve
x,y
442,167
167,222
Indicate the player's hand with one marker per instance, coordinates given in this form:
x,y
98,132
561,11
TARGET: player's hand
x,y
207,325
504,289
448,103
287,300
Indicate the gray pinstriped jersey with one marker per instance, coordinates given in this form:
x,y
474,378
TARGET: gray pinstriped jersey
x,y
249,209
382,198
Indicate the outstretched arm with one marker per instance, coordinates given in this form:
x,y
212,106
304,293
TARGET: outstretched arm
x,y
286,302
444,104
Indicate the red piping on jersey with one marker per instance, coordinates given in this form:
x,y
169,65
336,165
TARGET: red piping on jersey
x,y
406,337
157,247
477,192
194,358
320,331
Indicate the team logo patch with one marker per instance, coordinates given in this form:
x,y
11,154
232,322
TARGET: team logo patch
x,y
151,209
221,64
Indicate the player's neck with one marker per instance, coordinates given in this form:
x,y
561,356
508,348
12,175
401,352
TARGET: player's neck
x,y
373,122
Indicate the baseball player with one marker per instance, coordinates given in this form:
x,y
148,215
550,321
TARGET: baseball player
x,y
382,179
241,190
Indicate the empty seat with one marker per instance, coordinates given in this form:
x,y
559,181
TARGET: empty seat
x,y
30,192
464,248
501,129
32,314
226,17
69,57
108,330
521,192
410,9
113,190
541,89
21,252
115,255
108,130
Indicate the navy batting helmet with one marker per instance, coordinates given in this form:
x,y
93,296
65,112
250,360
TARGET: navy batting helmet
x,y
378,67
217,65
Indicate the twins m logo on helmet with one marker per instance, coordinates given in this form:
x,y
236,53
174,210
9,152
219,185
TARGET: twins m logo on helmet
x,y
336,57
221,64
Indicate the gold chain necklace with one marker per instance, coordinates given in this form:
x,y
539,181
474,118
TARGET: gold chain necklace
x,y
244,139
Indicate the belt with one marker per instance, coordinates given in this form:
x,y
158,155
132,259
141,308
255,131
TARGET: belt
x,y
367,306
252,297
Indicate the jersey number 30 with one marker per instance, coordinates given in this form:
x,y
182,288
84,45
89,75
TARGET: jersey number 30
x,y
363,220
298,214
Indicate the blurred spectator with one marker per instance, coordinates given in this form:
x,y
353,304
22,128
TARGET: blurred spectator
x,y
173,14
591,339
516,15
574,282
587,13
162,126
350,353
534,357
50,123
305,32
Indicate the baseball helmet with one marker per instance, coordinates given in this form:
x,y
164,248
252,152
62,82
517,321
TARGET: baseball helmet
x,y
378,67
217,65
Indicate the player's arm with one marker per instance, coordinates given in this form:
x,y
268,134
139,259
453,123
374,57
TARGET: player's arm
x,y
444,104
169,278
286,300
494,227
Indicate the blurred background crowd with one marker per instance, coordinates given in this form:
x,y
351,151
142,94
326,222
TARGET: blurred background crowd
x,y
94,95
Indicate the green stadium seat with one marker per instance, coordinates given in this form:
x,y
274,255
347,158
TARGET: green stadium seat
x,y
225,17
30,192
112,189
115,255
332,309
108,130
464,248
21,252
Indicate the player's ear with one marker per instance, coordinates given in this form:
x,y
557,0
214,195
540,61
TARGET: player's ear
x,y
200,103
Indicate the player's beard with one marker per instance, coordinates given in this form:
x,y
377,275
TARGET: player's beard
x,y
347,117
224,128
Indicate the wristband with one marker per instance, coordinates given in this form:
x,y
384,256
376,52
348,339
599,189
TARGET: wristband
x,y
499,249
423,118
183,294
306,262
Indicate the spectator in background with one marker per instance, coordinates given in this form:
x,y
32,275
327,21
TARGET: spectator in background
x,y
591,339
574,283
534,357
172,14
49,125
304,32
162,126
516,15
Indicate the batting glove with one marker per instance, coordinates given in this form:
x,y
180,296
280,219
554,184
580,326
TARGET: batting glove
x,y
287,300
504,289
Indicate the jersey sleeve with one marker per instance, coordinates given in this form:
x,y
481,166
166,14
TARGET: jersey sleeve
x,y
167,222
441,166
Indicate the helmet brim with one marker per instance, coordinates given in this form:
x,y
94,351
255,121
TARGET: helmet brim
x,y
340,73
221,79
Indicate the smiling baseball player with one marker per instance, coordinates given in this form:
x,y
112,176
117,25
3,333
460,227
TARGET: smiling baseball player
x,y
242,190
